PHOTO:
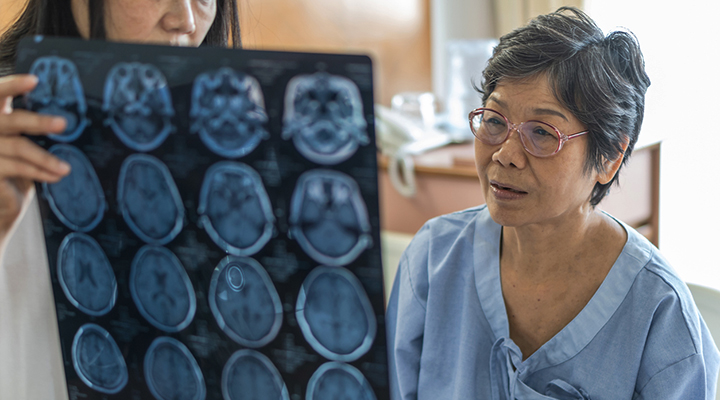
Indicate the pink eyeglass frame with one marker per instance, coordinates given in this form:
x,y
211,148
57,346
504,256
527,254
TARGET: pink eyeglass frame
x,y
516,127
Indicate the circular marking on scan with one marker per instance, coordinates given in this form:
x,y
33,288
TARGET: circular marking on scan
x,y
97,359
85,274
161,289
324,117
328,217
250,375
78,199
138,105
149,200
235,209
335,314
171,371
228,112
244,301
335,380
59,92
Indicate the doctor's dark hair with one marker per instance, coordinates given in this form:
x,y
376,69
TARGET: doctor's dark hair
x,y
600,79
55,18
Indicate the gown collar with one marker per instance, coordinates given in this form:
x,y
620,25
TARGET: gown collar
x,y
584,327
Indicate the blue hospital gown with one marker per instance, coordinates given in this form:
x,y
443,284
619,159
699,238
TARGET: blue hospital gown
x,y
639,337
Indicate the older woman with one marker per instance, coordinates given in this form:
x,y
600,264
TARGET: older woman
x,y
538,294
30,360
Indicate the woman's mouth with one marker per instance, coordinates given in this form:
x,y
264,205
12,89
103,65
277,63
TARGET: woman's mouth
x,y
504,191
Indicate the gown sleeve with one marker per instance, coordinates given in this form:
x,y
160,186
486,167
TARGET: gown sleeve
x,y
405,319
686,379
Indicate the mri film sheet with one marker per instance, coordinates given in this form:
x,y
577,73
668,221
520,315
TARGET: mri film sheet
x,y
218,236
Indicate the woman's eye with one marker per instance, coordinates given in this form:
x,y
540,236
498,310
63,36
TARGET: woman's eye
x,y
494,121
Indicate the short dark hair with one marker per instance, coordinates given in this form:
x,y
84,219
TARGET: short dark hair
x,y
55,18
600,79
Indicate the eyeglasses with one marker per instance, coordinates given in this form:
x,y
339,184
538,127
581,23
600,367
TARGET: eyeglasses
x,y
538,138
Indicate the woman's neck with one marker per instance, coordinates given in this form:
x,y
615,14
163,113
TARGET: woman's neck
x,y
557,247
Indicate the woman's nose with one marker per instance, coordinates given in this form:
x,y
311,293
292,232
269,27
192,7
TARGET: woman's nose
x,y
180,17
511,152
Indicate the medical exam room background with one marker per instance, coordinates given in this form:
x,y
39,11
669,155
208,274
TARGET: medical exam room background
x,y
679,40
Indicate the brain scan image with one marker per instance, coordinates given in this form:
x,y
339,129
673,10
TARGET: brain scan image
x,y
324,117
149,200
328,217
59,92
85,275
78,199
244,301
171,371
335,314
228,112
138,105
235,209
250,375
97,359
161,289
338,381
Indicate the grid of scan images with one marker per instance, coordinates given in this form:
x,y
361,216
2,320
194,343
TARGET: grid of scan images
x,y
218,237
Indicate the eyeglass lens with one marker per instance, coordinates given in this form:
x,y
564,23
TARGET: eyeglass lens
x,y
492,128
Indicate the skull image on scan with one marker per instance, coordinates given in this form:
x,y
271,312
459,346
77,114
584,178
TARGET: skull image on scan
x,y
235,209
228,112
244,301
328,217
338,381
59,92
324,117
85,274
335,314
161,289
250,375
149,200
78,199
97,359
138,105
171,371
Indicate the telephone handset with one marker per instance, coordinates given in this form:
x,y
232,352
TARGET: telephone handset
x,y
400,138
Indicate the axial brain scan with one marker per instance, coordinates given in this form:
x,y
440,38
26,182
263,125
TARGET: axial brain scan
x,y
235,209
228,112
324,117
85,274
138,105
149,199
250,375
171,371
244,301
162,289
59,92
338,381
328,217
77,200
98,360
335,314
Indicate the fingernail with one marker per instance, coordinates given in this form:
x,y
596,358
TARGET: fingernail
x,y
58,123
63,167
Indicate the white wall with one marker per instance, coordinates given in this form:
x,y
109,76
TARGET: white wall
x,y
680,41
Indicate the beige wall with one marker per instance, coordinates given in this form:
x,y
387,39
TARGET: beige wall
x,y
396,34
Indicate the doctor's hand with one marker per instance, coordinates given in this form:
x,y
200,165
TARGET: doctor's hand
x,y
21,160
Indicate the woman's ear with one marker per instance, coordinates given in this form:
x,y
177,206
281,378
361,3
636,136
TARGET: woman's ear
x,y
610,167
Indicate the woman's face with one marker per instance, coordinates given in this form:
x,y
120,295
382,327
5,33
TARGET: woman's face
x,y
170,22
521,189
